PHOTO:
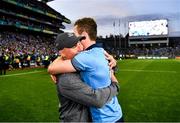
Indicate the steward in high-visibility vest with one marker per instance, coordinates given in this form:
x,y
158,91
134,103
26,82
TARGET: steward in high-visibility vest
x,y
6,63
38,60
6,57
46,61
46,58
28,60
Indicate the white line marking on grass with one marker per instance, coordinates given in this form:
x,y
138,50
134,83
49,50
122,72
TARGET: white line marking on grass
x,y
18,74
152,71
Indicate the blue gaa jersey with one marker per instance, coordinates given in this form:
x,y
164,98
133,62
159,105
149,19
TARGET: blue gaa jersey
x,y
94,71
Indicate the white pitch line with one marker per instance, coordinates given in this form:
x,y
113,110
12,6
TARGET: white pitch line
x,y
18,74
152,71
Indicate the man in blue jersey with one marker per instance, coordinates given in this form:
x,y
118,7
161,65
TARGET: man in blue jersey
x,y
93,68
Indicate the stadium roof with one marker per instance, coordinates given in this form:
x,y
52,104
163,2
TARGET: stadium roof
x,y
45,0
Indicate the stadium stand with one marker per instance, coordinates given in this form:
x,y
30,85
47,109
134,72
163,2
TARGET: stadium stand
x,y
119,47
28,29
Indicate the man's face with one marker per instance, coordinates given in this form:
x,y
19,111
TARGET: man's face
x,y
69,53
77,34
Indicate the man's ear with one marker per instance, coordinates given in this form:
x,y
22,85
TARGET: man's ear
x,y
60,52
84,34
80,46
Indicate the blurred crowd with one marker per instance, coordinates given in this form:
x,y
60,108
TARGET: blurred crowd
x,y
20,50
170,52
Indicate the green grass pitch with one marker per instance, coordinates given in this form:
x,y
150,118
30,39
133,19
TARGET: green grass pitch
x,y
150,91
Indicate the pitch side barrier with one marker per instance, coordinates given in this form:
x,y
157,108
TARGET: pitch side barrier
x,y
148,57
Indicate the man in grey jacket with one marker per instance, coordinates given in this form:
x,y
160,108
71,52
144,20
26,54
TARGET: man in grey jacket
x,y
74,95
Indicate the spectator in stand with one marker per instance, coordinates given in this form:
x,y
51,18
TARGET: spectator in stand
x,y
17,44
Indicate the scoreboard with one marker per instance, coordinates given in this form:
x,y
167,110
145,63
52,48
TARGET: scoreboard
x,y
148,28
148,32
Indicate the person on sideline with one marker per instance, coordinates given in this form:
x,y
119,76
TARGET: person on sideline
x,y
2,64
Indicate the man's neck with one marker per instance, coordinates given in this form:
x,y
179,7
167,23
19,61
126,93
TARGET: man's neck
x,y
89,44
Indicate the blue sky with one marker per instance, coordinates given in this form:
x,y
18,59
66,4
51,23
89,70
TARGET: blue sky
x,y
105,12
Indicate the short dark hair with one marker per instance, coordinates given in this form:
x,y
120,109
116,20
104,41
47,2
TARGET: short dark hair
x,y
88,25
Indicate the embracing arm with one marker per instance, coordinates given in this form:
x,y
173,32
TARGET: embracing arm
x,y
71,86
110,58
65,66
60,66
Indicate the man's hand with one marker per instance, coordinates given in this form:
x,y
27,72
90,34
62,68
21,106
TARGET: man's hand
x,y
113,78
112,61
53,77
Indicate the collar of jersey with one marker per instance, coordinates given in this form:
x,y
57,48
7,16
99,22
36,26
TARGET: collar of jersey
x,y
93,46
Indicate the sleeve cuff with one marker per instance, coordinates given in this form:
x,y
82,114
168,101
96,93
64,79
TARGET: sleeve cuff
x,y
73,62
